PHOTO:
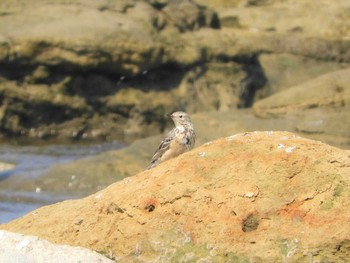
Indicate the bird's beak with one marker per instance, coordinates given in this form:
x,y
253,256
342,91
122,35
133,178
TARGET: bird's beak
x,y
170,115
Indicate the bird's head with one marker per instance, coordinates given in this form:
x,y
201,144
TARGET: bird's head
x,y
181,118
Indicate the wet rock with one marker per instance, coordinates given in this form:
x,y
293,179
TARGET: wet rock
x,y
267,196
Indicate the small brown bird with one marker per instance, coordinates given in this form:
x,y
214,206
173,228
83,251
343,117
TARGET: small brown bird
x,y
179,140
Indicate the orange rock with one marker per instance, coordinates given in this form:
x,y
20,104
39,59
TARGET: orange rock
x,y
271,196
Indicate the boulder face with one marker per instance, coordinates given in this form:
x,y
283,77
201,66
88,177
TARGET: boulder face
x,y
261,196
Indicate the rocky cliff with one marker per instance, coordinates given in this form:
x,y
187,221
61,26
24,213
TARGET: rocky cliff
x,y
111,69
260,196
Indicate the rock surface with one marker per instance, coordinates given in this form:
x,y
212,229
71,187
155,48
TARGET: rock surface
x,y
331,90
261,196
286,16
30,249
287,70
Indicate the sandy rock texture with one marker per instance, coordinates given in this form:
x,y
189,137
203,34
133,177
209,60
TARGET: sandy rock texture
x,y
29,249
261,196
112,69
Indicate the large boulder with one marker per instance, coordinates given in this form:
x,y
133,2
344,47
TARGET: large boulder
x,y
262,196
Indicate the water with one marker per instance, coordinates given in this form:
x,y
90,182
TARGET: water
x,y
31,162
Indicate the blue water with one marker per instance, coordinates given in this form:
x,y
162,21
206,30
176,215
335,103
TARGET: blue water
x,y
32,162
13,210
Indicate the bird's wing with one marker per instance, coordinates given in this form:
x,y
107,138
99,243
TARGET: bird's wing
x,y
162,148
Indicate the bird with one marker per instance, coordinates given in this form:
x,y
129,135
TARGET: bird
x,y
179,140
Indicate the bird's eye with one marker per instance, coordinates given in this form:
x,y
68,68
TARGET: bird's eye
x,y
181,116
